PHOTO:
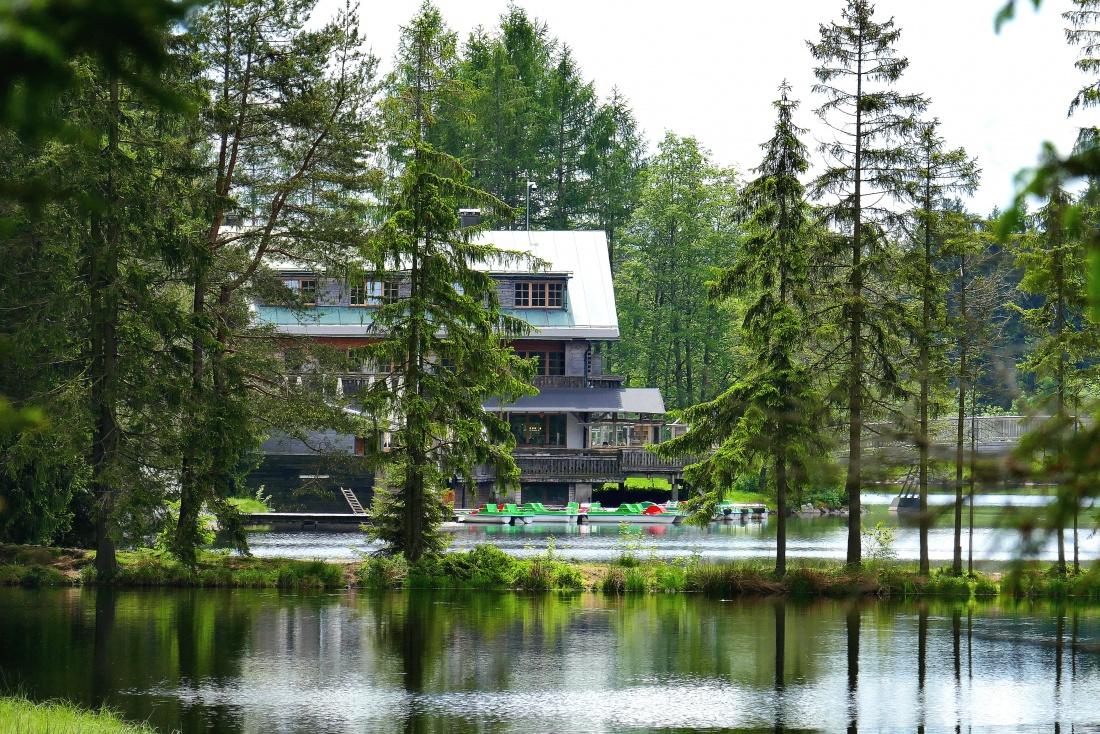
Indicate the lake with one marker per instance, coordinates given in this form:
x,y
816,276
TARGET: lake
x,y
823,538
422,661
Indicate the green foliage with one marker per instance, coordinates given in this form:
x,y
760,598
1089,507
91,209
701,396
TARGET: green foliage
x,y
446,337
832,498
20,716
869,163
41,39
484,567
771,416
672,336
878,542
521,110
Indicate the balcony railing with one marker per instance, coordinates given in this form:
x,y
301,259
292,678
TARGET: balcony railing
x,y
543,382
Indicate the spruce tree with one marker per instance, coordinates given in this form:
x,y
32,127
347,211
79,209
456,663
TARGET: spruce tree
x,y
1053,260
444,334
867,162
939,175
772,416
1083,33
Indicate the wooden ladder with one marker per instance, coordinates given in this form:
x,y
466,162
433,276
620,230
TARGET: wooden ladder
x,y
353,501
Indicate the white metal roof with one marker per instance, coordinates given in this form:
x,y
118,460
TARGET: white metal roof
x,y
583,254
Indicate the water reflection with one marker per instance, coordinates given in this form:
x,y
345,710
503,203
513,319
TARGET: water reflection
x,y
428,662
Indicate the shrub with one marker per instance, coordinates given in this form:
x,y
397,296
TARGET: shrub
x,y
614,581
381,572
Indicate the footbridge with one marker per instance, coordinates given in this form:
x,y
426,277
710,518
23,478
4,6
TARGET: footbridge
x,y
990,436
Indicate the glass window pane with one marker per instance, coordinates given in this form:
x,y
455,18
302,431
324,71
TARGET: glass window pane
x,y
556,430
555,363
555,297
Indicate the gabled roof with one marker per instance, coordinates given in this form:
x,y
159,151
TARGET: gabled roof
x,y
586,400
580,256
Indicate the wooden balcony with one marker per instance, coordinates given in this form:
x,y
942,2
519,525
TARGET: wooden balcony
x,y
592,465
543,382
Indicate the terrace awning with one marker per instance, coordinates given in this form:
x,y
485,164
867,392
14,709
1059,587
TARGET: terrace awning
x,y
587,400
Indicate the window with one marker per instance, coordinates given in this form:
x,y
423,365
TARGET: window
x,y
304,288
537,429
539,294
372,293
549,363
307,289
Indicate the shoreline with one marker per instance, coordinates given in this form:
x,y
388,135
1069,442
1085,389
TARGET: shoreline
x,y
488,568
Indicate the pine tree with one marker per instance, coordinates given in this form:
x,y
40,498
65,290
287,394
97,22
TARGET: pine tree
x,y
287,110
444,338
772,416
939,175
866,165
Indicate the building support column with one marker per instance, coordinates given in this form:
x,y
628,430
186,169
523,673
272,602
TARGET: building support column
x,y
582,492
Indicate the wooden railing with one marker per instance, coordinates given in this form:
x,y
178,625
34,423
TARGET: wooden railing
x,y
586,468
577,381
640,460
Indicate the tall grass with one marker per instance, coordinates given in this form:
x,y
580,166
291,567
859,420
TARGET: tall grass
x,y
20,716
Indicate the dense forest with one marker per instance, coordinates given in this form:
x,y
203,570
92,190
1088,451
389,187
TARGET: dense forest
x,y
781,309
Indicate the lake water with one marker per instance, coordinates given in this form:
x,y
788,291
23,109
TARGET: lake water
x,y
356,661
996,541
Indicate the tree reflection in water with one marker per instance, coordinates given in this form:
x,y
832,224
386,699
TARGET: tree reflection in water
x,y
228,662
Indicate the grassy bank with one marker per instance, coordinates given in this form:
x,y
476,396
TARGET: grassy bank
x,y
487,567
20,716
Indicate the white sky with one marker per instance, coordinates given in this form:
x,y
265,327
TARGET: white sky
x,y
710,68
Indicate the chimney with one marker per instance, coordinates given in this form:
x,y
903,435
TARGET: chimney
x,y
469,217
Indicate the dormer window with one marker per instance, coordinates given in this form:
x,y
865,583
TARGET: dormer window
x,y
539,294
373,293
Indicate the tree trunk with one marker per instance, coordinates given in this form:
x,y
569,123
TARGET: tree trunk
x,y
925,358
964,346
104,377
190,479
781,517
855,334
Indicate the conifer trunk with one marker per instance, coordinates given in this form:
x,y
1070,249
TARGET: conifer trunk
x,y
781,517
855,331
104,301
1060,324
926,326
964,346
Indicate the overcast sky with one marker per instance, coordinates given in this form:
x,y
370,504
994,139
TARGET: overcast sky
x,y
710,69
